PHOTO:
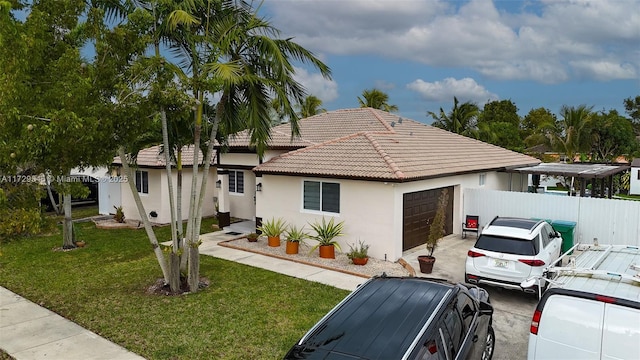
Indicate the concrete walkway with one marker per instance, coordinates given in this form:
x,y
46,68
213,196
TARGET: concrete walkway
x,y
31,332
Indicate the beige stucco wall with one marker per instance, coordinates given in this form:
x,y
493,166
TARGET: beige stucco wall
x,y
158,198
372,211
634,182
151,201
238,159
242,205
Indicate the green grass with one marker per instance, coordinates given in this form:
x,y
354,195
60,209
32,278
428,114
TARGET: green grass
x,y
76,213
628,197
245,313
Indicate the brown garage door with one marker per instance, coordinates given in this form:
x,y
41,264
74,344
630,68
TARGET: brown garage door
x,y
419,209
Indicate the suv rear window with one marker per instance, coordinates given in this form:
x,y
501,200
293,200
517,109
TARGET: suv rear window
x,y
507,245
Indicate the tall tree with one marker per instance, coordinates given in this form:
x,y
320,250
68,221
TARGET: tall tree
x,y
534,124
632,107
310,106
51,111
222,47
499,124
460,120
572,134
612,136
377,99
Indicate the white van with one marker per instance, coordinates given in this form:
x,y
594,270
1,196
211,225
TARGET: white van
x,y
591,309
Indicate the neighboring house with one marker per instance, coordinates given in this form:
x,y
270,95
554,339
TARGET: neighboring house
x,y
634,179
379,173
151,183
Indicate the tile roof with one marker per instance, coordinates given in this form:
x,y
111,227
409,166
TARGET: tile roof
x,y
366,143
152,157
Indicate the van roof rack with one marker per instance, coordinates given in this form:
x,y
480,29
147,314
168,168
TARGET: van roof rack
x,y
598,261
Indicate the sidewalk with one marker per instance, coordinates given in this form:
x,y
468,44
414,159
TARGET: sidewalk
x,y
31,332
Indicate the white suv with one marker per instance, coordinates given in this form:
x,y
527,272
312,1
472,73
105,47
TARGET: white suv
x,y
511,250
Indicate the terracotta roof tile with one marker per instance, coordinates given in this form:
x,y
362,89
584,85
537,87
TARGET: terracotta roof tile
x,y
151,157
373,144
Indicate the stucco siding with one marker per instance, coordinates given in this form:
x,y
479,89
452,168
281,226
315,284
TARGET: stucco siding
x,y
372,211
242,205
151,201
365,207
634,181
158,197
238,159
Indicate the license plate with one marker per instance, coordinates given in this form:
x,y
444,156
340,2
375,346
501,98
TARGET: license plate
x,y
501,263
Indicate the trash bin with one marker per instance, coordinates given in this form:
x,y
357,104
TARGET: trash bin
x,y
565,228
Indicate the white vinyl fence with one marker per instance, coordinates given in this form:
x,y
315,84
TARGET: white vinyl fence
x,y
612,221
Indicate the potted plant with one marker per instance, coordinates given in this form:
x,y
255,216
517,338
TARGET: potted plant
x,y
436,232
252,237
295,236
326,232
272,230
359,253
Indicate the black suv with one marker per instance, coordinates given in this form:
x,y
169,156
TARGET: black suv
x,y
404,318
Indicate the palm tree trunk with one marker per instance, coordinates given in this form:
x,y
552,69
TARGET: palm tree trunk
x,y
174,258
143,215
193,236
184,256
205,170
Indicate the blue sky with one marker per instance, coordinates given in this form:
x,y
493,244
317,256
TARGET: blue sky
x,y
423,52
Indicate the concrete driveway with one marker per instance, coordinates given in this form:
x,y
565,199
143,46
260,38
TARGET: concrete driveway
x,y
512,309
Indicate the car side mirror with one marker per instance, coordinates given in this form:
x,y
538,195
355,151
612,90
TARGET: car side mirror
x,y
486,308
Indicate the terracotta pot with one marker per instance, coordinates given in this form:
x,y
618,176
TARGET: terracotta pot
x,y
327,252
426,263
251,239
360,261
80,243
274,241
292,247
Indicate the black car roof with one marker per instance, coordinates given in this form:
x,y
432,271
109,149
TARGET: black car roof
x,y
527,224
379,321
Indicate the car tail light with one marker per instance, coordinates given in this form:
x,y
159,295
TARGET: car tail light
x,y
474,254
535,262
535,322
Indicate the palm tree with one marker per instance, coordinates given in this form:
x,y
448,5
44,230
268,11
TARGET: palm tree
x,y
460,120
376,99
573,133
310,106
230,50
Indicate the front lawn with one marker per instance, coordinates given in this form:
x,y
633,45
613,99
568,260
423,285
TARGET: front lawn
x,y
245,313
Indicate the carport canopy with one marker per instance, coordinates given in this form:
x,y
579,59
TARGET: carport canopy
x,y
582,171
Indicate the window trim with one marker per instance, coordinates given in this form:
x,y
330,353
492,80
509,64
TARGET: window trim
x,y
320,211
140,186
234,191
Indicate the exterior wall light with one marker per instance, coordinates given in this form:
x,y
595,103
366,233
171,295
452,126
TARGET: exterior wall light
x,y
218,184
259,187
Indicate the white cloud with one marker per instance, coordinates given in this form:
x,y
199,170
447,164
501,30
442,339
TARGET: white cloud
x,y
604,70
317,85
465,89
540,43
